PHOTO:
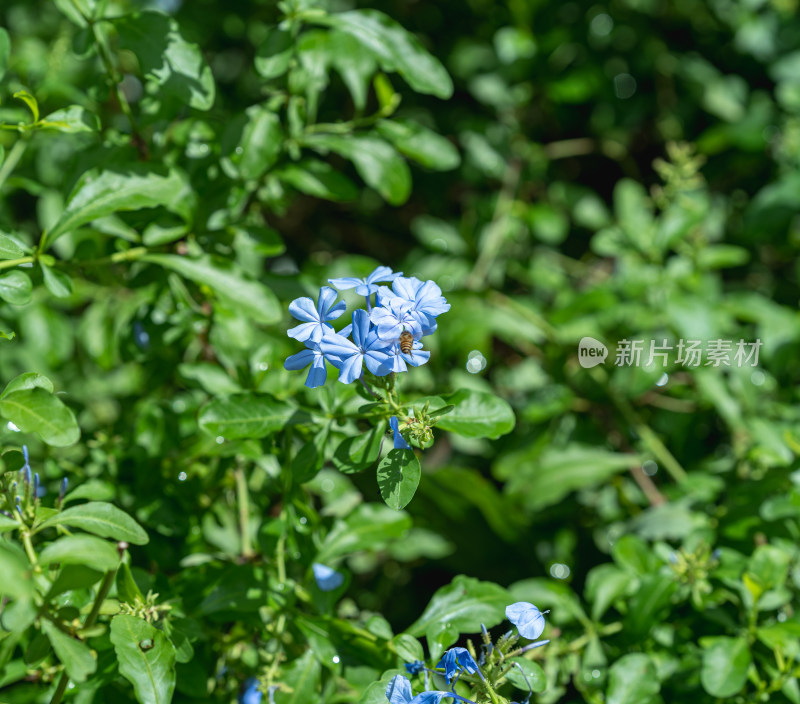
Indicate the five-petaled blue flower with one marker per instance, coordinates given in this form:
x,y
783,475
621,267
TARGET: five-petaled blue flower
x,y
457,659
399,441
399,692
369,284
326,577
425,299
315,318
366,348
417,357
251,694
395,317
313,356
527,618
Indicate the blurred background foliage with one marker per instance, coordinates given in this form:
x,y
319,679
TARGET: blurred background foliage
x,y
617,170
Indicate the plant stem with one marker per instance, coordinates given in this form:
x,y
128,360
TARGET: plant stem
x,y
8,263
13,158
102,593
243,499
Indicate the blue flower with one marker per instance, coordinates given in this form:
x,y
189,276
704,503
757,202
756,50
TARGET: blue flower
x,y
414,668
251,694
399,692
527,618
367,285
457,659
366,348
399,440
313,356
393,317
327,578
314,318
425,297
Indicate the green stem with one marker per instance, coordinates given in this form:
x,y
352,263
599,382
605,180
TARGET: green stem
x,y
243,499
102,593
13,158
8,263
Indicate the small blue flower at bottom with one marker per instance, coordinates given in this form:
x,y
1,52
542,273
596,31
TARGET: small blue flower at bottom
x,y
251,694
326,577
457,659
399,692
399,441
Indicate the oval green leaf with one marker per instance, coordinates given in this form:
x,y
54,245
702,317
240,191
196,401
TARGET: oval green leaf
x,y
398,477
478,414
37,411
100,518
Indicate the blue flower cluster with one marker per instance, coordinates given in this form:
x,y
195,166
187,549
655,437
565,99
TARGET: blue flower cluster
x,y
409,306
529,622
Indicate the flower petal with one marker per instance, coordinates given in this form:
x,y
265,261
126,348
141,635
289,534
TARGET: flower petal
x,y
399,441
360,327
326,577
302,332
399,690
299,360
527,618
345,283
317,374
382,273
378,362
351,368
304,309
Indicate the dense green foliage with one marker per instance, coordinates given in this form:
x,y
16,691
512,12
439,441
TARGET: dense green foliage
x,y
172,177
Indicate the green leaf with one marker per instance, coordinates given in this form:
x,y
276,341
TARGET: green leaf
x,y
211,377
355,65
394,48
632,680
98,194
7,524
16,287
649,602
100,518
253,142
357,453
478,414
381,167
57,282
229,283
368,527
398,477
72,119
76,10
127,589
5,52
604,585
248,415
319,179
464,605
17,582
37,411
76,657
533,672
28,380
9,249
408,648
146,658
302,676
175,65
30,101
275,53
420,144
725,664
81,549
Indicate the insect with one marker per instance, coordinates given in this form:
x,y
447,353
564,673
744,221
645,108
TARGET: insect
x,y
406,341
